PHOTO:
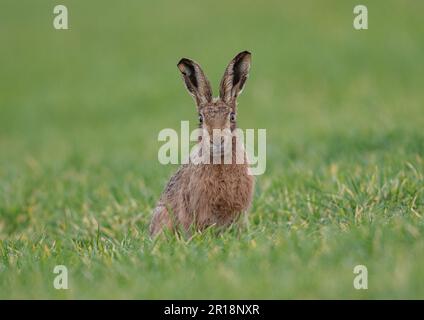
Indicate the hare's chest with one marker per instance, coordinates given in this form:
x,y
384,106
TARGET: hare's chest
x,y
224,192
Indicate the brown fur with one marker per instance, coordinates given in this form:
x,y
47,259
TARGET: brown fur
x,y
201,195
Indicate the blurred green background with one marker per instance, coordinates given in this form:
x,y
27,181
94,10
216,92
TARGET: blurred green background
x,y
80,110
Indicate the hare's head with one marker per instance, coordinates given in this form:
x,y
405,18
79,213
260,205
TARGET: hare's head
x,y
216,114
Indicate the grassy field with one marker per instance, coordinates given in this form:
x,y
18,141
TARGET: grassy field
x,y
80,111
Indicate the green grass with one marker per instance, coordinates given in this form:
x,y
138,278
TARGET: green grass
x,y
80,111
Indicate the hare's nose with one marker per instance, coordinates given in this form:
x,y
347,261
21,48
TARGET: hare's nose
x,y
218,140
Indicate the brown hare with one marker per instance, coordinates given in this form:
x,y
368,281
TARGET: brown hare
x,y
205,194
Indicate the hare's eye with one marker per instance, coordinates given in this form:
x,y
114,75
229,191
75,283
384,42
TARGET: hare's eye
x,y
232,117
200,118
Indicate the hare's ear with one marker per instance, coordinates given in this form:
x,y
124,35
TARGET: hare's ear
x,y
195,80
235,76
